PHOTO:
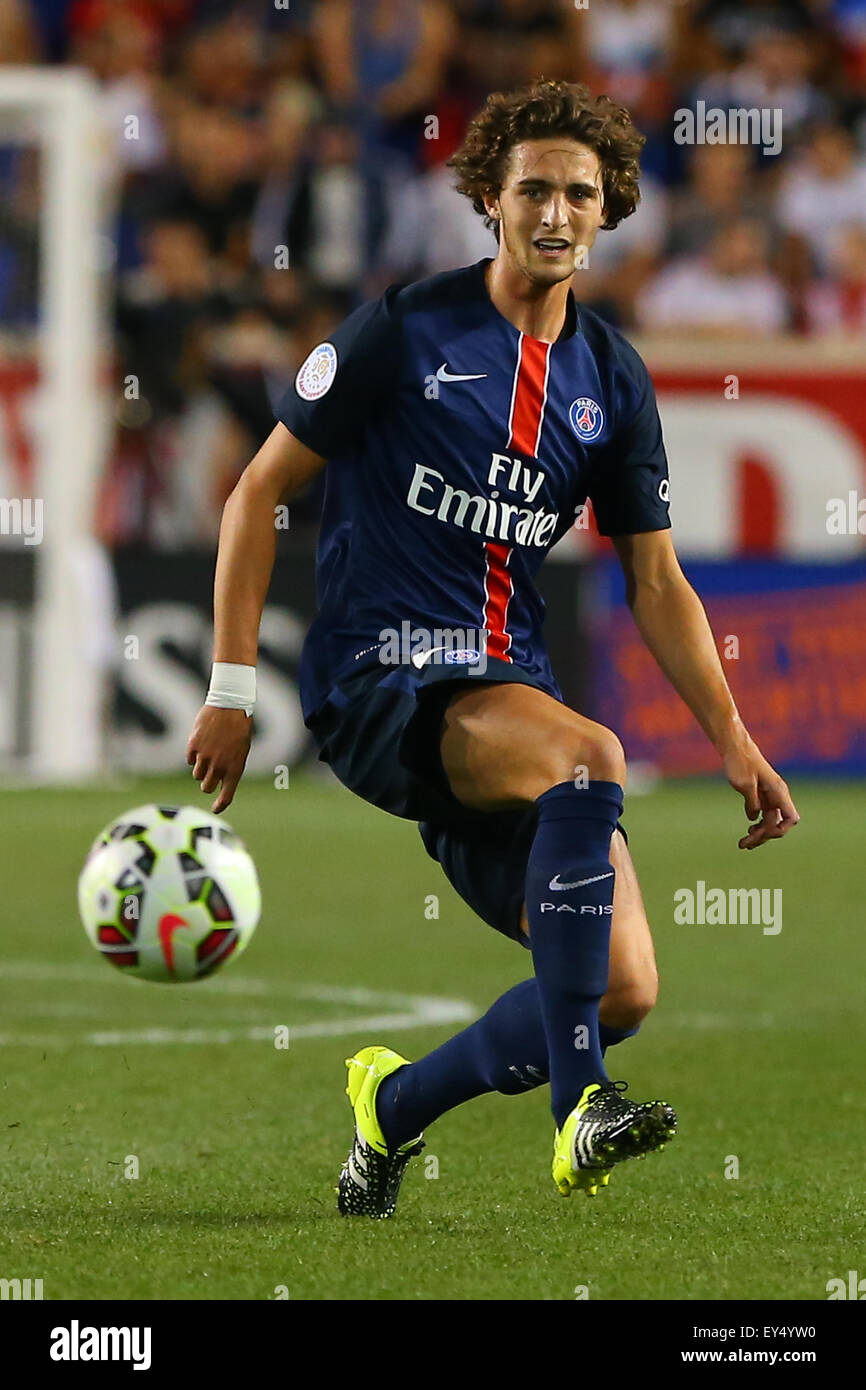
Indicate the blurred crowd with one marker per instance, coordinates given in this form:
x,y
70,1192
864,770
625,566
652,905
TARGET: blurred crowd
x,y
284,159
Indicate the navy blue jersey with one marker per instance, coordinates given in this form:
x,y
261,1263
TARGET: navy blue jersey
x,y
459,451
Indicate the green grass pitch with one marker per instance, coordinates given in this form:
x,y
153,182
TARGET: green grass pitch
x,y
757,1039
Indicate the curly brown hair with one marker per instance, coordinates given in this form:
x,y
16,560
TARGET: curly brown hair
x,y
535,112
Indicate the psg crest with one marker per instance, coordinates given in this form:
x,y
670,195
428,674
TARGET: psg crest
x,y
464,657
587,418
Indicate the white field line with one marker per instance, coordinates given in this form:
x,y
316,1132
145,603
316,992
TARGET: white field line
x,y
426,1010
44,1040
401,1011
84,974
711,1022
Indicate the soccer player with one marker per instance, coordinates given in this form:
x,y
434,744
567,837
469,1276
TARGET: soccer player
x,y
465,420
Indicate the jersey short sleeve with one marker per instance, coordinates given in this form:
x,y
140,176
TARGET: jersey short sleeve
x,y
629,487
342,383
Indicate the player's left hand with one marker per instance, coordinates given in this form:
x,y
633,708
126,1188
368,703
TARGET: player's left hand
x,y
765,793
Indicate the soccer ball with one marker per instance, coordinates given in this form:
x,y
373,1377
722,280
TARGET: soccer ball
x,y
168,893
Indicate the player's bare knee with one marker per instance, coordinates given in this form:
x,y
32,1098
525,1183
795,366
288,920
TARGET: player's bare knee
x,y
606,757
597,754
630,1004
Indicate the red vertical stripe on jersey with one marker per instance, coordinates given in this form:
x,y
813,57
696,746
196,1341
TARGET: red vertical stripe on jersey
x,y
529,396
527,413
497,588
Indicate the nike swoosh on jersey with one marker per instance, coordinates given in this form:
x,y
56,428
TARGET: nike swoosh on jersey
x,y
580,883
443,374
419,658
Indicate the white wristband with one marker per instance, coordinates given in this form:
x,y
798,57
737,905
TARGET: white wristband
x,y
232,687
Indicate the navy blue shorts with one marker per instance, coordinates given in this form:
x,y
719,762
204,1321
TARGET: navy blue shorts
x,y
380,731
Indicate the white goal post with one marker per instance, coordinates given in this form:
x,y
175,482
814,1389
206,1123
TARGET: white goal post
x,y
60,702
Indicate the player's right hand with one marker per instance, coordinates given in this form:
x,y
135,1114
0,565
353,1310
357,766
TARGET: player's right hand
x,y
764,792
217,751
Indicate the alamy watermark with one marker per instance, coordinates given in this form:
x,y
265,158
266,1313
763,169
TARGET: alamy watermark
x,y
732,907
77,1343
22,517
735,125
846,516
437,646
855,1287
20,1289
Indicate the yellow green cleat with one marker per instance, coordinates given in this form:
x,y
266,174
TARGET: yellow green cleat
x,y
604,1129
371,1176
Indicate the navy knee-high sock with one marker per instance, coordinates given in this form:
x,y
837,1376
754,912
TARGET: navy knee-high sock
x,y
505,1051
569,905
